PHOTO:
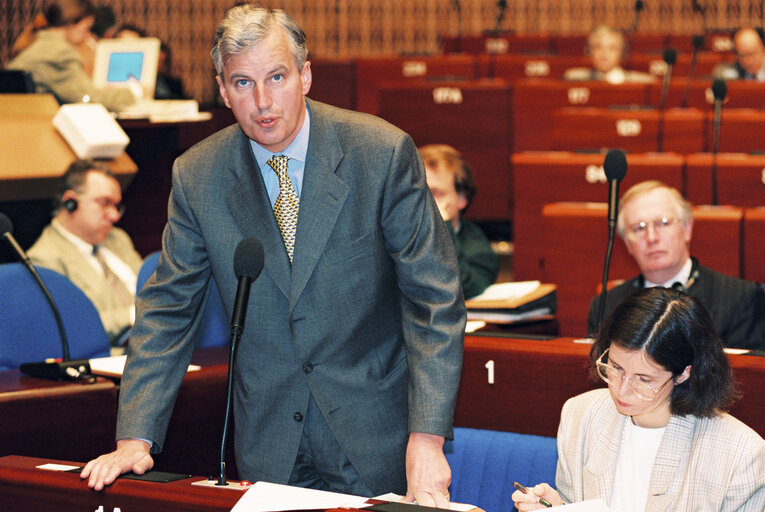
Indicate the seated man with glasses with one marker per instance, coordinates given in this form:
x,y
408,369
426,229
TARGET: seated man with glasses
x,y
656,224
82,243
658,438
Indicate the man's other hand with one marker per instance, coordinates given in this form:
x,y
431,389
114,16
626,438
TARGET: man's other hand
x,y
427,473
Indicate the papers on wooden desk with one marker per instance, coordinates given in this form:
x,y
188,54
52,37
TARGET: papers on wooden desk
x,y
268,497
115,365
513,302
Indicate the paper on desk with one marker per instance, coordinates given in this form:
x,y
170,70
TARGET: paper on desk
x,y
506,291
597,505
458,507
114,366
474,325
268,497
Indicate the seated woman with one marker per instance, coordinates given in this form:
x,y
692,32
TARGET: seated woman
x,y
606,49
56,65
657,438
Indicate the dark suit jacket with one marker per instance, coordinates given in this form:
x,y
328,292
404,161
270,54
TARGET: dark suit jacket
x,y
369,319
737,307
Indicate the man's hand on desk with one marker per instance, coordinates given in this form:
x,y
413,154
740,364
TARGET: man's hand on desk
x,y
130,455
427,473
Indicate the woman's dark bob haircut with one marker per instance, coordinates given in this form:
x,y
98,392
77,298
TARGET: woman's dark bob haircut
x,y
675,331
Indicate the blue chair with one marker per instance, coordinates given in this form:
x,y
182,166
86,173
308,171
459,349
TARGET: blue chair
x,y
485,463
28,329
215,330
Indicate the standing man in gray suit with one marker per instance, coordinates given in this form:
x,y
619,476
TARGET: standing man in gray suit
x,y
348,367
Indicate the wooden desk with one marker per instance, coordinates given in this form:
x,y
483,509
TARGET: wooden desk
x,y
24,488
741,94
533,378
655,65
474,117
754,244
546,177
635,131
535,100
740,179
575,238
64,420
371,72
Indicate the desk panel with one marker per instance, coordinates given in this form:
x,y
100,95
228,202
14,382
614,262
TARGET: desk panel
x,y
575,238
371,72
741,94
634,131
516,66
754,244
474,117
655,65
64,420
741,130
334,82
535,100
740,179
498,44
546,177
24,488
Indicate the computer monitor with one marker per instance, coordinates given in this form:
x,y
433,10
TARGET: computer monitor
x,y
117,60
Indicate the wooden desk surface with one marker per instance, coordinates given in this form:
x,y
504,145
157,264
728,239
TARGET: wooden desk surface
x,y
64,420
33,156
23,487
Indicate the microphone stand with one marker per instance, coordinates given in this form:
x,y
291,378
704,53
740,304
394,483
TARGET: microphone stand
x,y
698,42
670,56
612,208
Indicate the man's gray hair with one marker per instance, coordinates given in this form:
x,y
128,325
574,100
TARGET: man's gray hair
x,y
684,207
246,25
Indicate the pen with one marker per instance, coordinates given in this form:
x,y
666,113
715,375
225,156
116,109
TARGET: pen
x,y
526,491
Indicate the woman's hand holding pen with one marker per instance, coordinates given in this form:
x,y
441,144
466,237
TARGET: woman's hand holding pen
x,y
532,498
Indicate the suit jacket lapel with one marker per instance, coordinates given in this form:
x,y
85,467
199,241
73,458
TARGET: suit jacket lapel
x,y
251,210
673,447
321,200
600,467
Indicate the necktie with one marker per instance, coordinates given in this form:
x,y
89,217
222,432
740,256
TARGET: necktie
x,y
121,293
287,204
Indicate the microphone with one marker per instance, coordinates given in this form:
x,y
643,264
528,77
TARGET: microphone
x,y
52,369
697,43
501,10
698,8
639,6
670,57
615,167
720,91
248,263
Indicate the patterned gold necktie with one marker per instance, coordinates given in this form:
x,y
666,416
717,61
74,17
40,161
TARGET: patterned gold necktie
x,y
287,204
121,293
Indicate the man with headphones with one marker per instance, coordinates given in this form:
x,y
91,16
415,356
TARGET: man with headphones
x,y
656,224
82,243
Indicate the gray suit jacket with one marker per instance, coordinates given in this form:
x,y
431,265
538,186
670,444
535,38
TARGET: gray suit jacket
x,y
52,250
369,319
702,464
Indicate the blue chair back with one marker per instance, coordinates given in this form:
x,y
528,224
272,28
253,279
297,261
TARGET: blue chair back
x,y
28,329
485,463
214,330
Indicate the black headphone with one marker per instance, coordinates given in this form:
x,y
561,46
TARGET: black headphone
x,y
70,205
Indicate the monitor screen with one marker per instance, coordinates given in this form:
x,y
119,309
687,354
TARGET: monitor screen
x,y
119,60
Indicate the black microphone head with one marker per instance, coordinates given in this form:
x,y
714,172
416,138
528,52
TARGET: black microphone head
x,y
248,258
670,56
6,226
639,5
719,89
697,42
615,165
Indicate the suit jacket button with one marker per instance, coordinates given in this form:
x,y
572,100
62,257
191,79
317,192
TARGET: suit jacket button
x,y
307,368
297,417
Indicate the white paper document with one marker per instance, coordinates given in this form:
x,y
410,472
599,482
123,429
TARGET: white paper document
x,y
268,497
597,505
505,291
458,507
115,365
